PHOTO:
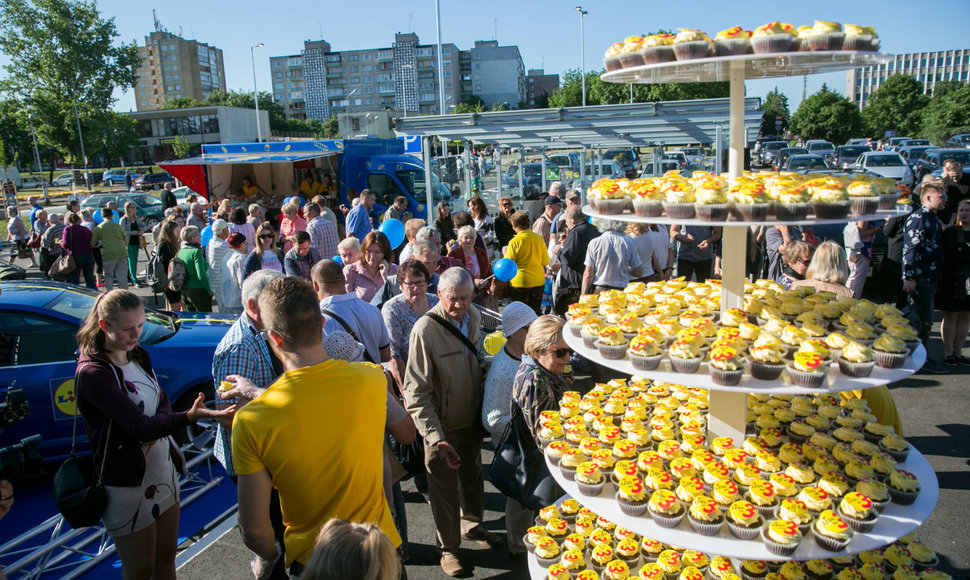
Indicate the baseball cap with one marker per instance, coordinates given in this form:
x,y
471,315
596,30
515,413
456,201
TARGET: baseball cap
x,y
515,316
572,194
551,199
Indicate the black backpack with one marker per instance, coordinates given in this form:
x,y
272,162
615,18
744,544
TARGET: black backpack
x,y
176,274
156,273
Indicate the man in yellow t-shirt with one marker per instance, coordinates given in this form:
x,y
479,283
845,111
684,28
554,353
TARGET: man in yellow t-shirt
x,y
528,250
311,434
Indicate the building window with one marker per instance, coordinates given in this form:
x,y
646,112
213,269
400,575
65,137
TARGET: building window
x,y
478,65
446,50
354,69
277,64
447,74
178,87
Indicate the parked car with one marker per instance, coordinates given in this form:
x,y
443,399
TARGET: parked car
x,y
148,208
804,163
693,154
886,164
914,143
532,177
858,141
820,147
957,141
665,166
153,181
63,180
784,154
628,159
181,195
769,152
933,159
913,153
845,155
895,142
38,323
114,177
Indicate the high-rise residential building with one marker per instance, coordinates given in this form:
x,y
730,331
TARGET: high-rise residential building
x,y
172,67
537,84
928,68
498,74
321,82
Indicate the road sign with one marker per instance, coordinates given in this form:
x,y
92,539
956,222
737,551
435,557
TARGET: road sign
x,y
778,121
412,144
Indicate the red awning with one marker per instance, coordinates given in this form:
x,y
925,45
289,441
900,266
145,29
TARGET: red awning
x,y
192,175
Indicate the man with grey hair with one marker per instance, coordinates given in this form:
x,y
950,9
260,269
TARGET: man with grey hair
x,y
445,366
216,253
572,258
573,200
611,259
423,252
197,216
243,353
433,237
536,207
196,292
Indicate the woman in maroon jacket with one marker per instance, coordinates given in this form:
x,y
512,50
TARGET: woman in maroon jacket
x,y
76,239
129,422
475,261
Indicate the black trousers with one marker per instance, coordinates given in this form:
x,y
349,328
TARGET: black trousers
x,y
702,269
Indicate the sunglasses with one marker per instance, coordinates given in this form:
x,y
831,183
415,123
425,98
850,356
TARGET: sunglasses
x,y
266,237
562,352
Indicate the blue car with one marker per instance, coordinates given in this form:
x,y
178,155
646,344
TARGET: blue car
x,y
38,324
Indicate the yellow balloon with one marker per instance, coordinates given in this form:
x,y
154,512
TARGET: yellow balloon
x,y
494,342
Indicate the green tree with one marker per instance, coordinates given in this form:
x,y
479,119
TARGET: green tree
x,y
473,104
948,113
110,135
827,115
775,103
180,148
63,54
240,99
182,103
897,105
16,146
570,91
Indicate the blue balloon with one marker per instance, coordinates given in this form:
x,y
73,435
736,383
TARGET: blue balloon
x,y
206,235
338,260
504,270
287,200
98,218
394,230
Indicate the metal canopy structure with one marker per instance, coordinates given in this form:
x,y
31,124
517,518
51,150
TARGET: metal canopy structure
x,y
604,126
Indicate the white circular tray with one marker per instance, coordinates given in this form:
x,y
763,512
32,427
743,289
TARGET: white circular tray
x,y
811,221
756,66
894,522
835,381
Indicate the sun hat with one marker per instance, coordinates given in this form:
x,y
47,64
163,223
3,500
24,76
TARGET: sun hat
x,y
341,346
515,316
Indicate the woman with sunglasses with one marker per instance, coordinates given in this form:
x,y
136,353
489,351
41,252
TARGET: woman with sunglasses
x,y
795,259
540,382
266,256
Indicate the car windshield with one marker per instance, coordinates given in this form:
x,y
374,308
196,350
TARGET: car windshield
x,y
821,147
807,163
145,201
413,180
917,142
775,145
852,151
915,152
159,326
963,157
885,161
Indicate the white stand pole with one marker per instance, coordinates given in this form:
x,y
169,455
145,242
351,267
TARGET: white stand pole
x,y
728,409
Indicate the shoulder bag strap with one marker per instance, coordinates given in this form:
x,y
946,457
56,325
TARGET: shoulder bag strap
x,y
451,328
104,456
350,331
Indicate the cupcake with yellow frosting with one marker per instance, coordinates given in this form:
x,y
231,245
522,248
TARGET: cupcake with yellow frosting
x,y
611,60
744,520
726,366
646,198
590,478
658,48
645,352
808,369
590,331
705,516
712,201
631,494
864,197
547,551
607,197
678,200
749,201
630,54
765,362
831,532
856,360
734,40
762,494
826,36
903,487
685,357
666,510
611,343
830,201
600,556
792,202
859,511
570,460
801,39
772,37
889,351
691,43
781,537
794,510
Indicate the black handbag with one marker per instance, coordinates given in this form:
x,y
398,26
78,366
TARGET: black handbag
x,y
79,497
519,469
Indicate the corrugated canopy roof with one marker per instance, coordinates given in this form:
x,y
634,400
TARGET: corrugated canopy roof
x,y
604,126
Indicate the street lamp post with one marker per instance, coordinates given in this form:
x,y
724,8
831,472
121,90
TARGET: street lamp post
x,y
40,169
80,137
441,80
252,56
582,51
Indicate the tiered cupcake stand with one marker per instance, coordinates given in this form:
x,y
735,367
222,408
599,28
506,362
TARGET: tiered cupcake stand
x,y
728,405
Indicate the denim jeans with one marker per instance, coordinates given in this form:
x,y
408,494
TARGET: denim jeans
x,y
85,264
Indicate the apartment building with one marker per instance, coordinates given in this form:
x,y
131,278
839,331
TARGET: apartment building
x,y
172,67
320,82
928,68
537,84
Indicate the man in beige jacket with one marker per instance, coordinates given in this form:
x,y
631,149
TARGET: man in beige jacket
x,y
443,393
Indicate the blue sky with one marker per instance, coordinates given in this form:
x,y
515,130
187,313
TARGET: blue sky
x,y
546,31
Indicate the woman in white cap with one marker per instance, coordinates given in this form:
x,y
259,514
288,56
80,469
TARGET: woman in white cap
x,y
516,318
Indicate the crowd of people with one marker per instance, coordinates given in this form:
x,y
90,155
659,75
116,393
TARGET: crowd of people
x,y
393,332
